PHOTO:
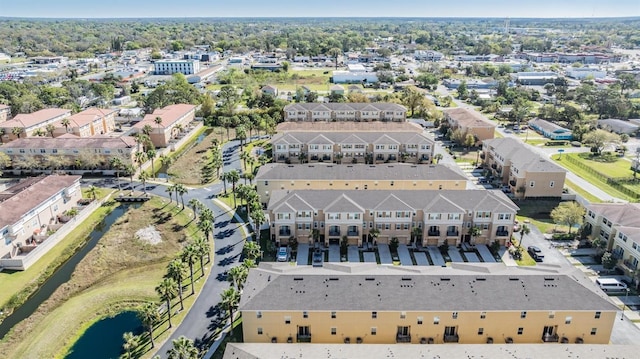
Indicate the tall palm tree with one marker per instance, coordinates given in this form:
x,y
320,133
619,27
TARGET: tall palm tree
x,y
131,343
244,156
151,154
117,164
196,205
474,232
230,298
181,190
523,231
169,189
149,316
234,177
158,122
92,191
224,177
166,161
143,177
141,157
66,123
176,270
204,250
130,171
183,348
206,226
249,263
251,162
146,129
167,289
251,250
189,255
335,52
237,276
258,218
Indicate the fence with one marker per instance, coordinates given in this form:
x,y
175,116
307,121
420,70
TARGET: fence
x,y
617,183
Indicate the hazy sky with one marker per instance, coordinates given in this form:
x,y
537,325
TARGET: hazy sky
x,y
319,8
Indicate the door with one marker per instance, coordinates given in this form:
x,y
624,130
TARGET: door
x,y
450,331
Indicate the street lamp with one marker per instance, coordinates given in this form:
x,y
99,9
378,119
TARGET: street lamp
x,y
624,304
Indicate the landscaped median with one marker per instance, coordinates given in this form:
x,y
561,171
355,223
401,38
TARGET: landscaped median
x,y
121,272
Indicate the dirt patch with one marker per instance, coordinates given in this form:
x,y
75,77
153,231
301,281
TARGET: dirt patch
x,y
149,235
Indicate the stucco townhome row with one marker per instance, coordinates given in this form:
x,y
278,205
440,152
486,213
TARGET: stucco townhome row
x,y
527,173
327,112
439,216
90,122
173,119
469,121
26,124
467,304
618,225
351,142
319,176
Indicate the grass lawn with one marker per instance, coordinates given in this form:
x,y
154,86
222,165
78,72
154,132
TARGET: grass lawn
x,y
538,213
577,189
526,259
17,286
120,272
187,168
610,165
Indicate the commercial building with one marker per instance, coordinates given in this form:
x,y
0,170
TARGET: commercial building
x,y
26,124
466,304
581,73
174,66
444,215
356,73
351,142
550,130
535,78
427,55
398,176
525,172
469,121
377,111
618,126
172,120
90,122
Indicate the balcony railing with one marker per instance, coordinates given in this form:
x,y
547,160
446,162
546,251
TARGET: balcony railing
x,y
630,265
286,232
452,233
550,338
334,232
451,338
304,338
352,233
403,338
502,233
433,233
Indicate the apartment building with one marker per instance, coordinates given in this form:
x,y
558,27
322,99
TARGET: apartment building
x,y
469,121
527,173
318,176
5,112
170,67
173,120
68,152
351,142
465,304
29,206
438,216
618,224
25,124
376,111
90,122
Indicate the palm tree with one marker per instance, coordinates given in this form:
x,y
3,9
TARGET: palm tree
x,y
437,157
146,129
203,249
181,190
237,276
143,177
92,191
224,177
167,290
524,230
263,160
249,176
16,131
183,348
169,190
249,263
130,171
229,299
50,129
258,217
66,123
474,232
117,164
151,154
373,234
158,122
149,316
177,271
234,177
196,205
2,134
335,52
416,233
131,343
166,161
244,156
251,250
206,226
141,157
189,255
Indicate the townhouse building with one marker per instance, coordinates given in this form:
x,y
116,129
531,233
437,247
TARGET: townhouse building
x,y
469,121
173,119
90,122
26,124
527,173
5,112
376,111
29,206
68,152
428,217
618,225
351,142
365,303
319,176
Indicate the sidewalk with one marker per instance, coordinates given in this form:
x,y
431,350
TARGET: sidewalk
x,y
506,257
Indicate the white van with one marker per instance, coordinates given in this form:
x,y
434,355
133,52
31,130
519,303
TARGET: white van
x,y
611,285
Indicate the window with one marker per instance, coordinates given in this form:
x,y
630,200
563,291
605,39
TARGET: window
x,y
532,184
334,331
259,331
454,315
567,320
598,315
258,315
552,315
305,314
287,320
333,315
436,320
523,315
520,330
483,315
420,320
374,315
374,330
403,315
480,331
594,331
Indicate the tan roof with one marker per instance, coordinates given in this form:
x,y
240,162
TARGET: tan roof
x,y
4,107
31,119
169,115
346,126
18,200
468,118
87,116
64,142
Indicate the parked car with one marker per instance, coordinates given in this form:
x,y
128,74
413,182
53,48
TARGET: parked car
x,y
318,258
283,254
611,285
535,253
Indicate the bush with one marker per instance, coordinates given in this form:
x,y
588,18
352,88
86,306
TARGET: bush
x,y
563,236
576,144
555,143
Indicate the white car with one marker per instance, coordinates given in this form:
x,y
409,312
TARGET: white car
x,y
283,254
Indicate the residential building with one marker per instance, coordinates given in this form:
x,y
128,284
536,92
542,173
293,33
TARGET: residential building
x,y
618,225
336,90
427,55
173,119
30,123
174,66
270,90
550,130
465,304
377,111
30,206
68,151
527,173
90,122
5,112
485,58
318,176
444,215
585,58
469,121
618,126
351,142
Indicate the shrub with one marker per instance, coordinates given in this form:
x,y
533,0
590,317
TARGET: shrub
x,y
563,236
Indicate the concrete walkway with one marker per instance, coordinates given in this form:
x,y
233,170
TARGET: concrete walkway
x,y
436,256
472,257
303,254
369,257
334,253
385,254
353,254
506,257
404,255
485,253
421,258
454,254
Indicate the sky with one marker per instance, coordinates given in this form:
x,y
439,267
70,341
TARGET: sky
x,y
318,8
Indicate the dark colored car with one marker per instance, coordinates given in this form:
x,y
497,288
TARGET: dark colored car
x,y
535,253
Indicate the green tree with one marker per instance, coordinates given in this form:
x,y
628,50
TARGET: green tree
x,y
91,191
251,250
412,98
462,90
167,290
524,230
131,343
183,348
599,139
177,270
117,164
474,232
229,299
189,255
196,206
237,276
233,176
568,213
149,316
609,261
229,97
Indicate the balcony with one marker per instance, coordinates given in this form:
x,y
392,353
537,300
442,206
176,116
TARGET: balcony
x,y
403,338
392,158
433,233
451,338
352,233
284,232
629,264
326,158
452,233
303,338
550,338
502,233
334,232
512,183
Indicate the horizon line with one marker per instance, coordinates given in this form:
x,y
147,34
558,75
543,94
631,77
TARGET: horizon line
x,y
315,17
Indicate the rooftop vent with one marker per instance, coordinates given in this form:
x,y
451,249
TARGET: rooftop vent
x,y
298,278
334,278
514,278
549,278
406,278
445,279
481,279
369,278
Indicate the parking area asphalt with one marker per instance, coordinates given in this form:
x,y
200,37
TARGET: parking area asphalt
x,y
454,254
472,257
369,257
421,258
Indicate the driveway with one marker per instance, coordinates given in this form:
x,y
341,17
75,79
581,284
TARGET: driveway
x,y
303,254
353,254
385,254
436,256
472,257
369,257
334,253
484,252
421,258
404,255
454,254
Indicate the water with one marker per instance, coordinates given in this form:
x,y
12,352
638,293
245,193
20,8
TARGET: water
x,y
103,340
62,274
